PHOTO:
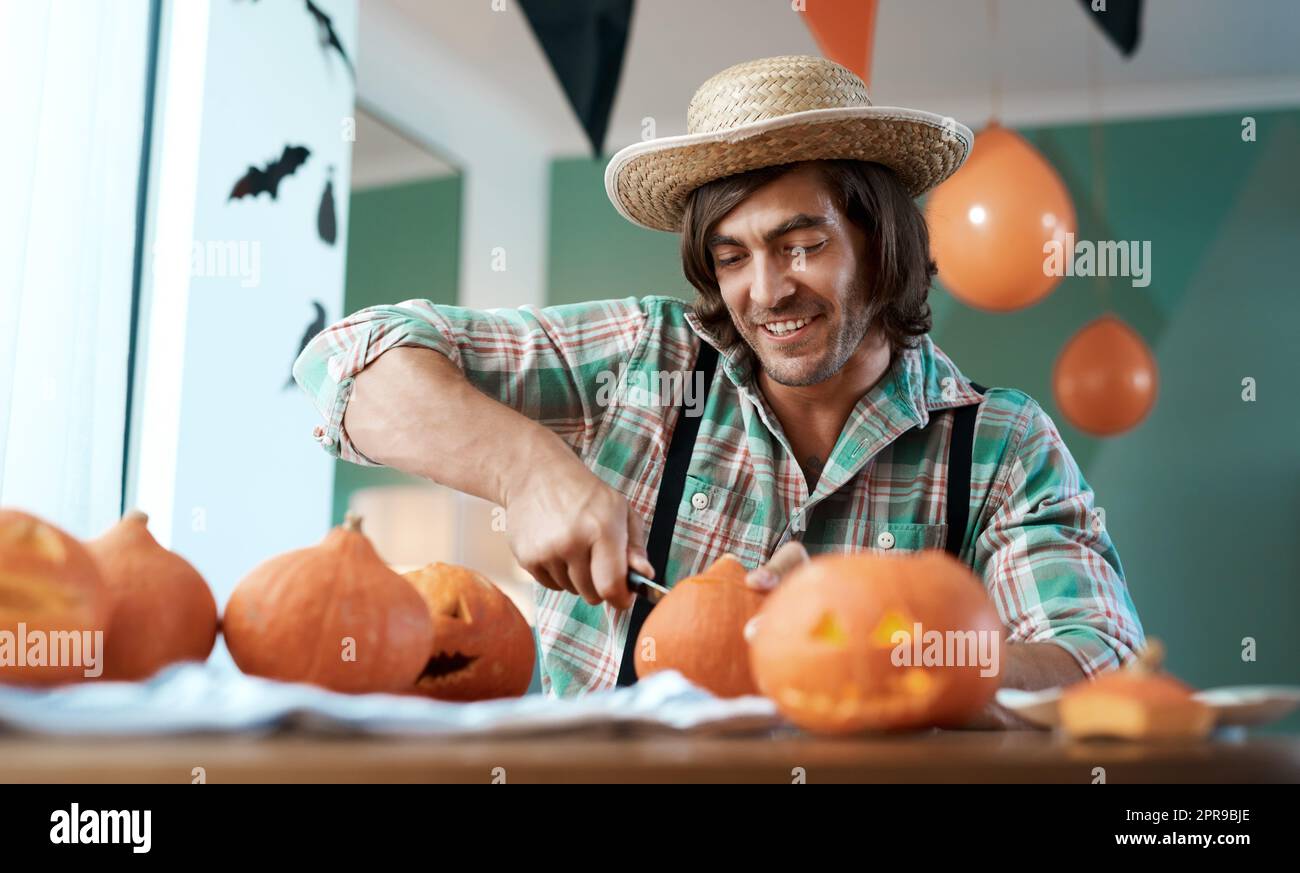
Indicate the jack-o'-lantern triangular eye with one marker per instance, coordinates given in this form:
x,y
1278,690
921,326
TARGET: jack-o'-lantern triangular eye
x,y
830,630
449,603
461,611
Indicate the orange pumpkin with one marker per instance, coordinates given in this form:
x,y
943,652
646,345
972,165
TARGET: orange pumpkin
x,y
698,629
163,611
865,641
50,589
482,646
333,615
1135,703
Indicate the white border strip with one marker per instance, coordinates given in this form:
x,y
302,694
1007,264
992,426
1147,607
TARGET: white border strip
x,y
165,281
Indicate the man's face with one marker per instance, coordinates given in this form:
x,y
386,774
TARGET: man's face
x,y
787,254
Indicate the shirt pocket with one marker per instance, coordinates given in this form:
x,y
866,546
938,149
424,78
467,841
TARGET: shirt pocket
x,y
856,535
711,520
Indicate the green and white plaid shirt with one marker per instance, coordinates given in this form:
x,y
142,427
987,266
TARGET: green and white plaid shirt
x,y
588,371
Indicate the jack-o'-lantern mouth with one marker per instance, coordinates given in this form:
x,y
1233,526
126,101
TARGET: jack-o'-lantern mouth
x,y
909,692
446,664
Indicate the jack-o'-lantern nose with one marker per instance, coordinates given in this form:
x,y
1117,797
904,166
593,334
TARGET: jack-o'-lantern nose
x,y
453,606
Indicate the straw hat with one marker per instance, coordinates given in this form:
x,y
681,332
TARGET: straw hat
x,y
778,111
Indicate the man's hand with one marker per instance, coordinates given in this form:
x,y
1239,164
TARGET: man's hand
x,y
783,561
573,532
413,409
1030,666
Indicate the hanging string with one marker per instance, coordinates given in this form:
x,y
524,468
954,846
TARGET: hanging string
x,y
995,66
1097,153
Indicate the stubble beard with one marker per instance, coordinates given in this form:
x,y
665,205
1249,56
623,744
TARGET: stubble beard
x,y
796,373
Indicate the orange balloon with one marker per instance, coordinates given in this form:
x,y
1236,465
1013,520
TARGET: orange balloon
x,y
1105,379
990,221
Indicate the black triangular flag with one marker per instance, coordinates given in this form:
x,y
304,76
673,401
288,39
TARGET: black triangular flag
x,y
585,41
1121,20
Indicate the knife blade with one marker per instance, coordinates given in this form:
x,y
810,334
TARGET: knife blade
x,y
645,587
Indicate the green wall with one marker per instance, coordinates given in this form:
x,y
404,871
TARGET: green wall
x,y
403,243
1202,499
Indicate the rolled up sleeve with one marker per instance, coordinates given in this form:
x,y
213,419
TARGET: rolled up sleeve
x,y
544,362
1047,559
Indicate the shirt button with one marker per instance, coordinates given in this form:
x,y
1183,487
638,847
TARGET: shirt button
x,y
885,540
699,500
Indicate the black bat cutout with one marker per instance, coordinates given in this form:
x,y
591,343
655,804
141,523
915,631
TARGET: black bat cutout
x,y
316,326
256,180
328,37
326,225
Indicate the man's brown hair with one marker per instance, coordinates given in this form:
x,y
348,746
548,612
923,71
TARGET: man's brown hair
x,y
898,245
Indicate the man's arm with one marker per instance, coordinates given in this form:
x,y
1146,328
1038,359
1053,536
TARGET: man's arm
x,y
1050,567
1034,666
1030,666
494,403
412,409
540,362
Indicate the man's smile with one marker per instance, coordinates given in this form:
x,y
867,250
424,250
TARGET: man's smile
x,y
785,331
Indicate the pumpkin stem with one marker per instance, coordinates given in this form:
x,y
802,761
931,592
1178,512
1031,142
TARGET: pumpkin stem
x,y
1150,659
352,522
136,515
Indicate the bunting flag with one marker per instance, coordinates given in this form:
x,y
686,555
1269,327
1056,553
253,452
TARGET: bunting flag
x,y
584,41
844,30
1121,20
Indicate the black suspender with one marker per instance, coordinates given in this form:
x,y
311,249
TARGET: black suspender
x,y
671,487
673,484
959,460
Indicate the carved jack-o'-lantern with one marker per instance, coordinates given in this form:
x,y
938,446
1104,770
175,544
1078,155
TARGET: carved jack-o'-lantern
x,y
51,593
698,629
482,646
862,641
1137,702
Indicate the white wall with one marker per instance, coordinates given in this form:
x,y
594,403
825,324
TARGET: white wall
x,y
224,461
414,73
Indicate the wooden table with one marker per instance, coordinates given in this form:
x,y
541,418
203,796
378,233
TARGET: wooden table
x,y
775,757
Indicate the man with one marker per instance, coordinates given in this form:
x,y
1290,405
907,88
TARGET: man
x,y
832,422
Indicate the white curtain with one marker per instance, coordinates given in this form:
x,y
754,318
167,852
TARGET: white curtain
x,y
74,81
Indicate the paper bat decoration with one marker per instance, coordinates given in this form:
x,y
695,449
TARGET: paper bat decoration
x,y
326,226
316,326
328,37
256,180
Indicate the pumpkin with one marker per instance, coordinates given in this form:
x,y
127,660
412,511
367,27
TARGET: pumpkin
x,y
50,590
698,629
333,615
163,611
482,646
865,641
1137,702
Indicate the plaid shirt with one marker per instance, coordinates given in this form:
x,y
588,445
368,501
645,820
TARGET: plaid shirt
x,y
588,372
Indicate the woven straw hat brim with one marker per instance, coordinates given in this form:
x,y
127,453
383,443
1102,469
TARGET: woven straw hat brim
x,y
648,182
